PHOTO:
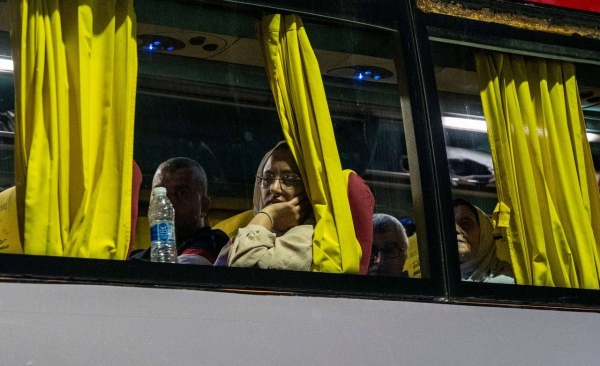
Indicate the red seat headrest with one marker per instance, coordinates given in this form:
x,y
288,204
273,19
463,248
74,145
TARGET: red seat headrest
x,y
362,204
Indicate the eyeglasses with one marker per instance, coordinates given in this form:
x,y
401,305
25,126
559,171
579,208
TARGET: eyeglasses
x,y
288,181
389,251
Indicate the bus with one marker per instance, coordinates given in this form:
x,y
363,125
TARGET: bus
x,y
405,102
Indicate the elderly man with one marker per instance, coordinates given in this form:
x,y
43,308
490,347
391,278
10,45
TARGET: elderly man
x,y
390,246
185,181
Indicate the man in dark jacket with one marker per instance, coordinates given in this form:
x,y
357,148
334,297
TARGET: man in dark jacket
x,y
186,184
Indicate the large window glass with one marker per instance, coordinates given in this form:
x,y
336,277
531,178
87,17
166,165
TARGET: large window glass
x,y
209,99
203,94
522,163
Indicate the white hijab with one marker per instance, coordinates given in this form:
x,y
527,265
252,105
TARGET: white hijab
x,y
485,265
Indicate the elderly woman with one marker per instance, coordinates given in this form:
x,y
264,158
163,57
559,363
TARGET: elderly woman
x,y
476,246
280,234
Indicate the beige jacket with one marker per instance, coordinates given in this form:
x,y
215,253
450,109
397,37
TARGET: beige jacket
x,y
255,246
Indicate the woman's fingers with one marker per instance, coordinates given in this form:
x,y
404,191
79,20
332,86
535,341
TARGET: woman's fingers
x,y
305,207
289,214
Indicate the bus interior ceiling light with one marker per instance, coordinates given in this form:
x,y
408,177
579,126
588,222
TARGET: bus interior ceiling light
x,y
362,72
479,125
467,124
6,65
156,43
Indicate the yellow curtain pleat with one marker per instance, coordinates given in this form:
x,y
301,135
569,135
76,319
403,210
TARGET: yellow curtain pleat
x,y
75,84
297,86
544,172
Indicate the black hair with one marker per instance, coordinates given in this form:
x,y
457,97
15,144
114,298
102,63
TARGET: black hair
x,y
181,163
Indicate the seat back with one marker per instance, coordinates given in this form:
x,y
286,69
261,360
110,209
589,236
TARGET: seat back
x,y
362,204
136,182
10,240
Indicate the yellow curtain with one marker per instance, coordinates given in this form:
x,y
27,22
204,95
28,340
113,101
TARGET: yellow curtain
x,y
75,83
544,171
297,86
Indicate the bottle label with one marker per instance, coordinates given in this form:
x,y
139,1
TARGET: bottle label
x,y
162,231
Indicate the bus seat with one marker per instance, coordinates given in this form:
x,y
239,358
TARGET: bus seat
x,y
362,204
136,183
412,264
231,225
10,240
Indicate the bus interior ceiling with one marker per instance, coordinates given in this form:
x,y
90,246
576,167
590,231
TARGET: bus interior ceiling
x,y
208,98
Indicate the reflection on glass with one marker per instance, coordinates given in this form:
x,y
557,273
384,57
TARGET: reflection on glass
x,y
203,94
516,172
215,106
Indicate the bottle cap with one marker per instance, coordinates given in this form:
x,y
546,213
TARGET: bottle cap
x,y
160,191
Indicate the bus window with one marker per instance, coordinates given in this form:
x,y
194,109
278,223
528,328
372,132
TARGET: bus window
x,y
203,94
209,99
508,182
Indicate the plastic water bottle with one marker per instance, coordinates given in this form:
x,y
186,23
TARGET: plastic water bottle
x,y
161,215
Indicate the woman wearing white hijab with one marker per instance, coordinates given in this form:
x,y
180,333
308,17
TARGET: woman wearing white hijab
x,y
477,248
280,234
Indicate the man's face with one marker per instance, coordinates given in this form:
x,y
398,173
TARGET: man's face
x,y
388,254
185,193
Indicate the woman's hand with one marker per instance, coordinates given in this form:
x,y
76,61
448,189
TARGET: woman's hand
x,y
287,215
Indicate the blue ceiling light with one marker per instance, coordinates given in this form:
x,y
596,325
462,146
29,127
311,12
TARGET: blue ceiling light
x,y
157,43
371,73
362,72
